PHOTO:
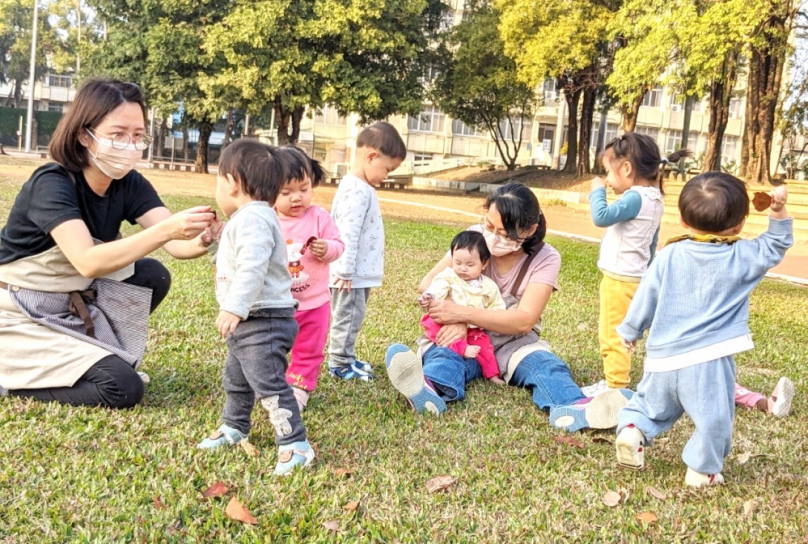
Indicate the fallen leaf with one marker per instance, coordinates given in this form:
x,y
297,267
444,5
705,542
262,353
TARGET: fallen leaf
x,y
568,440
582,326
743,457
216,490
612,498
235,510
440,483
332,525
158,503
343,472
761,201
605,439
646,517
655,492
351,506
749,508
249,449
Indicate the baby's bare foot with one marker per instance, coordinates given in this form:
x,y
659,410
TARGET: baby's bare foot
x,y
471,352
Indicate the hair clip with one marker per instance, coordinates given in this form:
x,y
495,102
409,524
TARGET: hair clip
x,y
664,161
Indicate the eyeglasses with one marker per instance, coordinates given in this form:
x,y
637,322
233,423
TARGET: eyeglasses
x,y
120,140
505,236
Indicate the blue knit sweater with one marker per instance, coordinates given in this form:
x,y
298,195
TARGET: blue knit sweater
x,y
696,294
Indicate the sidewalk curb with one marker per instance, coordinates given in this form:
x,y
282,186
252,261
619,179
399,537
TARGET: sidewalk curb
x,y
569,235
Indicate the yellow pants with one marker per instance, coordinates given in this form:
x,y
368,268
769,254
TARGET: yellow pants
x,y
615,298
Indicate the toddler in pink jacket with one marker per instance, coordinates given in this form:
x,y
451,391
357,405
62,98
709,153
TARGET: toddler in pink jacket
x,y
312,242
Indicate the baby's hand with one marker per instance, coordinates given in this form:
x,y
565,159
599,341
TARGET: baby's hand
x,y
628,345
497,380
226,323
598,183
425,300
779,198
471,352
318,248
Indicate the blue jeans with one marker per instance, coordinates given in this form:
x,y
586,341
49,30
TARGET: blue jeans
x,y
548,377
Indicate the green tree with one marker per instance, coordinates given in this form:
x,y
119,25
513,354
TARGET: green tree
x,y
477,82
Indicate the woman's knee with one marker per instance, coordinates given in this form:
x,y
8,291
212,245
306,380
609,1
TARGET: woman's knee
x,y
152,274
118,383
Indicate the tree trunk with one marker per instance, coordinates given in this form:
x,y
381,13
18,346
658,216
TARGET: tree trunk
x,y
228,128
185,147
287,118
587,113
763,92
160,141
572,97
205,128
630,112
686,132
720,95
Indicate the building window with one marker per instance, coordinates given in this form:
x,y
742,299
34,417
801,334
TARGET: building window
x,y
550,90
673,141
612,131
59,81
429,120
653,98
510,129
693,141
329,116
734,108
652,132
56,106
418,157
547,137
459,128
729,146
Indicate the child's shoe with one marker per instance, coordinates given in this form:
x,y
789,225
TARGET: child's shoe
x,y
291,456
598,413
697,479
358,370
223,436
780,400
406,373
302,398
629,446
596,388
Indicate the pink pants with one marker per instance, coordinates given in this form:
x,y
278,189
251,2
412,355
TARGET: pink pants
x,y
745,397
474,337
307,353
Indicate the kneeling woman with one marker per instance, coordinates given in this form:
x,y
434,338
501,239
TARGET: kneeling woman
x,y
75,296
526,271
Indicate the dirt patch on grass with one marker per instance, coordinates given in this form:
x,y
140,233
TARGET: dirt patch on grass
x,y
530,176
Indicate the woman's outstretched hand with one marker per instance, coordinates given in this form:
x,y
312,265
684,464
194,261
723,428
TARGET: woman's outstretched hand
x,y
188,224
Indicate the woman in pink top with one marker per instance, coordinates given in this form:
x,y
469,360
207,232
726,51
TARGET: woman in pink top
x,y
312,241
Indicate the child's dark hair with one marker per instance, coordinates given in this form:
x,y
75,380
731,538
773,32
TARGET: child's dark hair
x,y
473,241
714,202
301,165
643,154
259,169
519,209
384,138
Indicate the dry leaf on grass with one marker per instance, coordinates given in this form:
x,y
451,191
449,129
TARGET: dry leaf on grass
x,y
655,492
646,517
612,498
761,201
749,508
158,503
743,457
249,449
568,440
582,326
332,525
351,506
605,439
216,490
235,510
343,472
440,483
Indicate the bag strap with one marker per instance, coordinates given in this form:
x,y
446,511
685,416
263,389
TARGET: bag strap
x,y
520,277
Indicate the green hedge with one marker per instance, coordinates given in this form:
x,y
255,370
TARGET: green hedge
x,y
46,122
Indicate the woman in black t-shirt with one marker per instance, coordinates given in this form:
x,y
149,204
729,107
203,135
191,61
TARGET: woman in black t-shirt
x,y
68,336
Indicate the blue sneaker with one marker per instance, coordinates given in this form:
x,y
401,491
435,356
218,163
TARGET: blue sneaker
x,y
358,370
291,456
598,413
406,373
223,436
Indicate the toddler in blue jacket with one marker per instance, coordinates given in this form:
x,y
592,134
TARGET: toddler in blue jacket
x,y
694,298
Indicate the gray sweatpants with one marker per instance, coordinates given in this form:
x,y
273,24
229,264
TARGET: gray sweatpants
x,y
256,369
706,392
347,314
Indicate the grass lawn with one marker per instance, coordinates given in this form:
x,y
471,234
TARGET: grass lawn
x,y
93,475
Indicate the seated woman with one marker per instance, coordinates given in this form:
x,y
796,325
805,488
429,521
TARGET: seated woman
x,y
75,296
525,267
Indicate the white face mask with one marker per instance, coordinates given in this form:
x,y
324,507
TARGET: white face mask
x,y
499,246
115,163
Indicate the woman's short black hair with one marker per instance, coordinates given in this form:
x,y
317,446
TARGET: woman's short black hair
x,y
473,241
260,170
519,209
301,165
714,202
96,98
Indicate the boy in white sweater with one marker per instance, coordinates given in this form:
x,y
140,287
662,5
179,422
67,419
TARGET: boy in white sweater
x,y
379,151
